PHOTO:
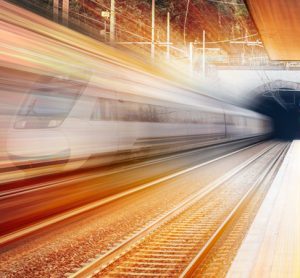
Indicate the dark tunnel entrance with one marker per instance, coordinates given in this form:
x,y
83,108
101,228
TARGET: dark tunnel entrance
x,y
283,106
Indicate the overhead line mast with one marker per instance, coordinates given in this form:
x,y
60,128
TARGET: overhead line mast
x,y
153,31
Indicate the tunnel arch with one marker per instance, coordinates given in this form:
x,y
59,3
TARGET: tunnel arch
x,y
281,101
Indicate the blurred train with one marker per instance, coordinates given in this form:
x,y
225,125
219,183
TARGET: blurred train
x,y
112,111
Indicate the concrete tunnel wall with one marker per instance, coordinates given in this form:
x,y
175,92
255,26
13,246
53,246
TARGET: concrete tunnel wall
x,y
281,101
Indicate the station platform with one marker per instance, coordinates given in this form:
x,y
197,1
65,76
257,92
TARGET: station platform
x,y
271,247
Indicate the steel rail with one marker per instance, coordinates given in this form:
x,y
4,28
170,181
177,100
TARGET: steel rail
x,y
104,260
237,210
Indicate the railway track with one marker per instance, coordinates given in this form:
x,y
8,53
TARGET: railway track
x,y
218,259
29,229
175,244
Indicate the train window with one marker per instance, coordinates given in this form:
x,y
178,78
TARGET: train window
x,y
218,118
229,120
193,117
108,109
52,97
166,115
184,115
204,119
252,122
154,115
172,115
104,110
236,120
128,111
199,117
241,121
145,113
48,103
96,114
161,113
175,116
208,118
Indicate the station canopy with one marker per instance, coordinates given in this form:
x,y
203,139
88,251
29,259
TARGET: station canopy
x,y
278,22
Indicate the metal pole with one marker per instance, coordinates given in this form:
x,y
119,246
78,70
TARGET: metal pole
x,y
191,57
168,36
185,20
153,31
65,12
203,53
112,21
105,27
55,10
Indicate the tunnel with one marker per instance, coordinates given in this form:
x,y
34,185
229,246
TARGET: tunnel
x,y
280,100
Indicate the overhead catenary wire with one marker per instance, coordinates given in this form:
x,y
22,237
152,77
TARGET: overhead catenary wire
x,y
117,10
229,40
101,23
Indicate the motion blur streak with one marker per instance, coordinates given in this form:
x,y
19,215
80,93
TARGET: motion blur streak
x,y
69,102
71,97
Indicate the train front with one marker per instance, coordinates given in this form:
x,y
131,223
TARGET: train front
x,y
36,135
